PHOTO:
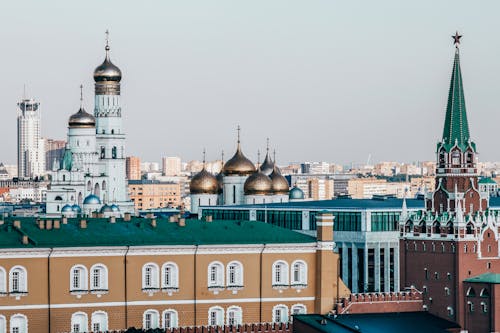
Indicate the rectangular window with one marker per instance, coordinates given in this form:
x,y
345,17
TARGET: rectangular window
x,y
147,277
232,274
76,279
76,328
96,279
231,320
213,318
147,321
96,327
15,281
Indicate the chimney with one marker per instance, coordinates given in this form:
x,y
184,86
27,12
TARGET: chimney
x,y
2,222
48,224
94,215
64,220
83,224
41,224
127,217
150,215
25,240
172,218
17,224
57,224
182,222
208,218
324,226
112,219
153,223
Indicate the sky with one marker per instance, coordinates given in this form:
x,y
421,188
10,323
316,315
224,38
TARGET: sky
x,y
325,80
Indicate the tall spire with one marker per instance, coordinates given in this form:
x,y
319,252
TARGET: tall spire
x,y
456,127
107,44
81,96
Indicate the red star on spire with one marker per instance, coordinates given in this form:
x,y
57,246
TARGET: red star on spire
x,y
456,39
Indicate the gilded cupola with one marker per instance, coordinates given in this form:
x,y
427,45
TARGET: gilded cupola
x,y
238,165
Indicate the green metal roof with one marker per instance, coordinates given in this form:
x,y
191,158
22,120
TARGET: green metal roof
x,y
485,278
391,322
456,127
138,231
487,180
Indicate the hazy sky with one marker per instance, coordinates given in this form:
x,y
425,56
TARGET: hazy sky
x,y
325,80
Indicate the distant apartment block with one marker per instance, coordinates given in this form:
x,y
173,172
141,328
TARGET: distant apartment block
x,y
151,194
171,166
54,152
133,168
30,146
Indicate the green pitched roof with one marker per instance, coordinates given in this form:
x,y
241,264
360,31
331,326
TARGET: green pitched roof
x,y
138,231
456,127
485,278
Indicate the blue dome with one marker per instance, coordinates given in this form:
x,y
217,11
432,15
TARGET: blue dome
x,y
115,208
106,209
296,193
66,209
92,199
76,208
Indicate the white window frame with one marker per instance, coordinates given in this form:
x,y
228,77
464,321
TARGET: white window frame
x,y
82,276
301,307
218,283
154,284
3,281
283,281
101,318
174,319
173,284
102,279
237,314
219,316
78,315
22,282
302,278
3,324
155,319
24,321
283,313
238,275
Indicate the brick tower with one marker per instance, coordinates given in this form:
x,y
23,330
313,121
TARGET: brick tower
x,y
456,237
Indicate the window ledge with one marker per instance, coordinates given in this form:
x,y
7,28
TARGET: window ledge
x,y
3,293
280,286
99,292
150,290
299,285
170,290
79,291
216,289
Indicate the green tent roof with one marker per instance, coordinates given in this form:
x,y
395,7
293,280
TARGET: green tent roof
x,y
139,231
456,126
487,180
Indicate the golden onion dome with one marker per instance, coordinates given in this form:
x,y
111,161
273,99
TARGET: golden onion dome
x,y
107,71
220,177
268,166
258,184
238,165
279,183
81,119
204,183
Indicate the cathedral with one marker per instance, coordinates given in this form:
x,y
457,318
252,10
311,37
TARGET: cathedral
x,y
91,176
240,182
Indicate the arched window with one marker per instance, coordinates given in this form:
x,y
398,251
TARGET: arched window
x,y
280,274
151,319
170,276
455,158
299,273
18,324
99,321
18,278
216,275
234,316
446,291
79,322
470,306
99,278
78,278
89,186
469,229
97,190
484,307
150,277
298,309
234,274
436,227
484,293
170,318
471,292
3,281
114,152
280,313
104,185
3,324
450,311
216,316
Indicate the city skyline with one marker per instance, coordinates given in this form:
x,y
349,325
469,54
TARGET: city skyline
x,y
180,72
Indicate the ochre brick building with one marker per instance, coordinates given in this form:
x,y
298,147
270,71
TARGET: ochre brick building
x,y
76,275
